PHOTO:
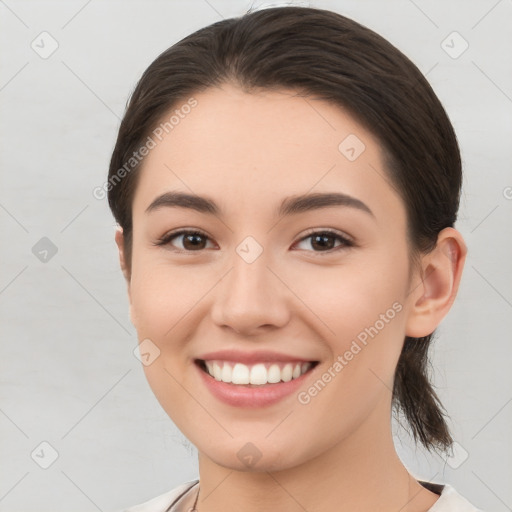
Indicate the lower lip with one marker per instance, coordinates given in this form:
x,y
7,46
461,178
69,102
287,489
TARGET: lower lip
x,y
257,396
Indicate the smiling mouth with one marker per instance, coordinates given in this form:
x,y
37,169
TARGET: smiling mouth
x,y
254,375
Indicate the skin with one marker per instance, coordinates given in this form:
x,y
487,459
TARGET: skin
x,y
248,152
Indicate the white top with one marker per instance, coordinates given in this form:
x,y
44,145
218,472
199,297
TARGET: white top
x,y
449,501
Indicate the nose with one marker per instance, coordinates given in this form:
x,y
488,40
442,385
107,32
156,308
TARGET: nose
x,y
251,297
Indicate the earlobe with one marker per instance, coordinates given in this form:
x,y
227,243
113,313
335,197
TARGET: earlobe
x,y
432,298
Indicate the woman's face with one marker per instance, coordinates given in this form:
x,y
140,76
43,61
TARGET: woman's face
x,y
255,282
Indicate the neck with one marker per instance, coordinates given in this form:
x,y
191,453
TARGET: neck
x,y
361,472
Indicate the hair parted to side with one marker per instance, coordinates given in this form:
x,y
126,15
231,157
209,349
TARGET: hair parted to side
x,y
321,54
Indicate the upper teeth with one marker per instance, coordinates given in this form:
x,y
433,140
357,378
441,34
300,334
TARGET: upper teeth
x,y
260,373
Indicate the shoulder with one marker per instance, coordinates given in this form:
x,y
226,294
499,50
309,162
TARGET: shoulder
x,y
451,501
162,502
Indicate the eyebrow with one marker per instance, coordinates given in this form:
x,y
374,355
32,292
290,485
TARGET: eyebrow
x,y
289,206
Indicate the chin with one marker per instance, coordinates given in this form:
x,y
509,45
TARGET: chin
x,y
254,457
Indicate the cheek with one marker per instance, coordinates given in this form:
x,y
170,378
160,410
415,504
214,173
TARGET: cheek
x,y
166,302
364,311
163,295
350,298
357,380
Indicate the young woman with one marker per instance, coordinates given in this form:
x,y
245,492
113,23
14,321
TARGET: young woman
x,y
286,185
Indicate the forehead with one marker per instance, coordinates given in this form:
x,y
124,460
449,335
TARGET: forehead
x,y
259,147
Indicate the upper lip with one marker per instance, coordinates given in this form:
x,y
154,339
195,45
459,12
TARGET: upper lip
x,y
252,357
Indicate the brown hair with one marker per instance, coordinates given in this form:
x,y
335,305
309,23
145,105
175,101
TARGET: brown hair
x,y
322,54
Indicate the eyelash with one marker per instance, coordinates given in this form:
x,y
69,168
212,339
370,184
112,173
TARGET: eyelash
x,y
346,242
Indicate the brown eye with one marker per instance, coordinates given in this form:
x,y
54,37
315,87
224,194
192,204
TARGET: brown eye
x,y
325,241
191,240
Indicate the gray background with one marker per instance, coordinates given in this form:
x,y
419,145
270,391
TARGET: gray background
x,y
68,373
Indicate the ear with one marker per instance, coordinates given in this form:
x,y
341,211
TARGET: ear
x,y
119,237
433,296
122,260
